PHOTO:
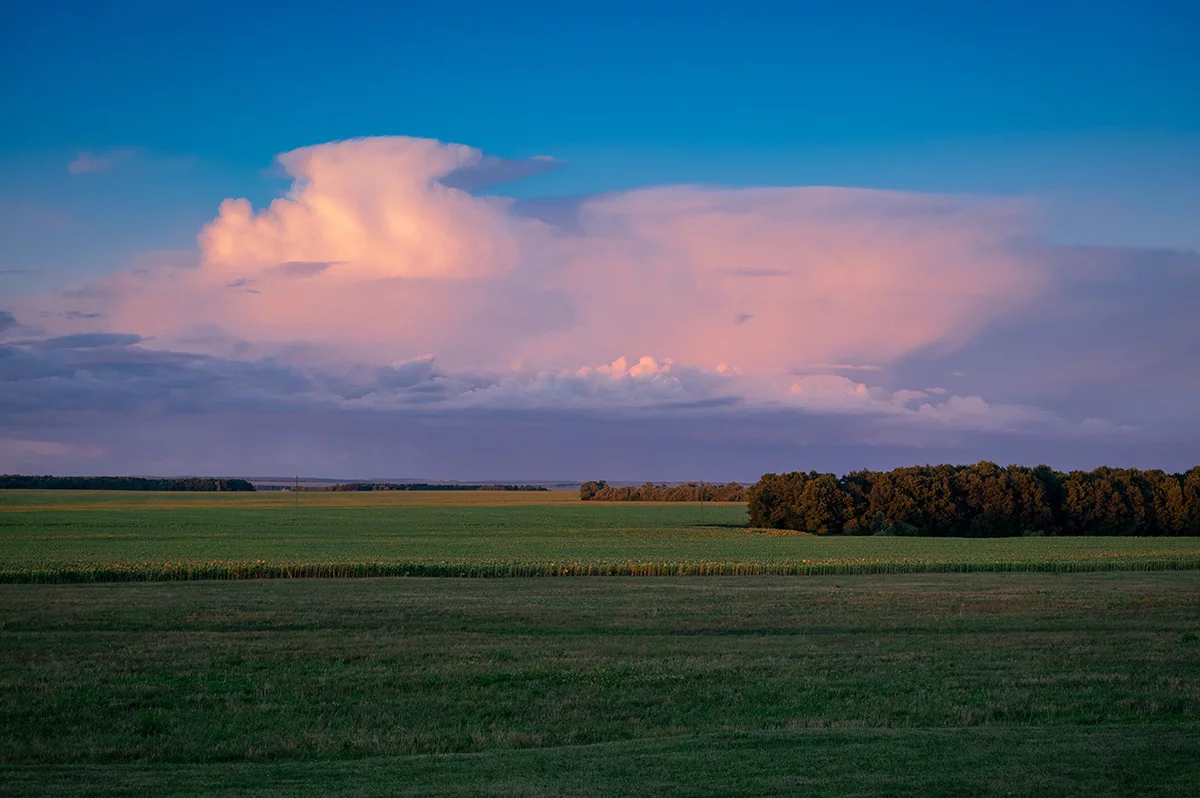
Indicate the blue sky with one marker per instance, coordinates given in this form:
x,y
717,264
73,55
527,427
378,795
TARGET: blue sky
x,y
1094,106
1086,113
268,77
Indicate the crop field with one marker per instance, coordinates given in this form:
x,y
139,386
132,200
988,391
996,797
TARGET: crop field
x,y
1075,672
907,684
65,536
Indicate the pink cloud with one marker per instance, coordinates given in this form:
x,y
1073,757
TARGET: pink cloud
x,y
375,207
370,258
814,275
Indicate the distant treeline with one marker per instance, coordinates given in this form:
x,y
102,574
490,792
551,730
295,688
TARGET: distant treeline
x,y
425,486
982,500
649,492
121,483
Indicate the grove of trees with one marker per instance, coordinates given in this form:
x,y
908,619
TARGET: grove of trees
x,y
981,500
649,492
18,481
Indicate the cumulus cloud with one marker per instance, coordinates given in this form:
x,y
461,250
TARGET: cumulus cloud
x,y
375,206
397,263
379,282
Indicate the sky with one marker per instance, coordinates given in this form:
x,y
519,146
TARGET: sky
x,y
617,241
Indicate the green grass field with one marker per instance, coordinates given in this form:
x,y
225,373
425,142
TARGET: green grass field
x,y
97,536
916,684
1078,676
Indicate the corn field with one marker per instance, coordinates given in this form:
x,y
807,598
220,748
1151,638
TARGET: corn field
x,y
76,538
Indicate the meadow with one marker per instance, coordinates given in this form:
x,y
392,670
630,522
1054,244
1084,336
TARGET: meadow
x,y
877,666
909,684
66,536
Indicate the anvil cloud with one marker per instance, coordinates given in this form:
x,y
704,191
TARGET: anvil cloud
x,y
380,284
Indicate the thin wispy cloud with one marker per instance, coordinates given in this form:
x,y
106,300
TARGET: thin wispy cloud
x,y
86,163
837,367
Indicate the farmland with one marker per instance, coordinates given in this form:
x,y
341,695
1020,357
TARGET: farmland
x,y
82,536
1076,672
912,684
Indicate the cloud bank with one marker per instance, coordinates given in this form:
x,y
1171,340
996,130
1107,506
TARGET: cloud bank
x,y
380,283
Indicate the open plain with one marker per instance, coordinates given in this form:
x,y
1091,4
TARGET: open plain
x,y
71,536
1015,683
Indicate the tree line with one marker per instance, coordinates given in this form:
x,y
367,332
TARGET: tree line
x,y
650,492
47,482
981,500
364,486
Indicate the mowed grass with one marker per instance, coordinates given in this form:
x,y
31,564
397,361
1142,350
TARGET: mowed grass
x,y
914,684
110,536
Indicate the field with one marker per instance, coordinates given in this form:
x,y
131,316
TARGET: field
x,y
1078,676
916,684
83,536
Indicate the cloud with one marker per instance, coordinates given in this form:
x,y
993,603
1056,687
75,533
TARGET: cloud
x,y
378,283
374,205
972,412
835,394
104,371
91,163
491,171
836,367
37,379
742,271
29,450
90,340
397,263
302,269
1116,336
153,411
7,321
